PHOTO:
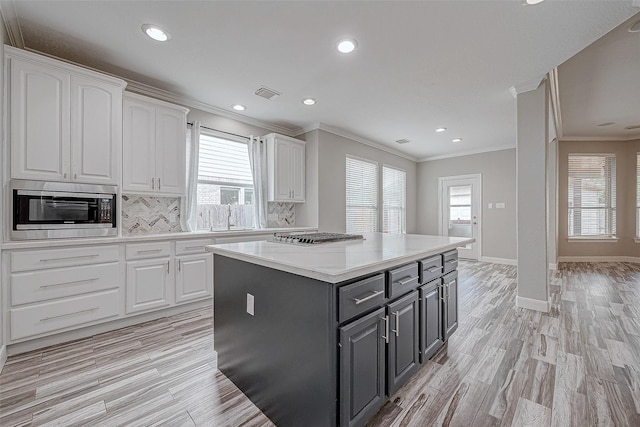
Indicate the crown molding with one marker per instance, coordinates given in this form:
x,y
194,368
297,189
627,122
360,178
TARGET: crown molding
x,y
526,86
345,134
601,138
11,23
469,153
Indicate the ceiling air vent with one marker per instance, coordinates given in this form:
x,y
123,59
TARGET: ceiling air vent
x,y
632,127
402,141
267,93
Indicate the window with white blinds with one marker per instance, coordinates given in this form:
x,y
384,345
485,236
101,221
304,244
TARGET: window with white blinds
x,y
225,183
362,196
592,195
638,195
394,189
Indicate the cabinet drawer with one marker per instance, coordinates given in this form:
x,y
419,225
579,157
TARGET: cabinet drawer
x,y
63,257
192,246
430,268
71,312
360,296
402,280
450,261
148,250
45,285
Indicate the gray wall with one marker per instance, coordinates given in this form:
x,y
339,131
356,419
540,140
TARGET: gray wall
x,y
3,37
625,152
498,169
225,124
307,213
332,152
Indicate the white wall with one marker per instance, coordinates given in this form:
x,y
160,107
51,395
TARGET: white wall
x,y
307,213
498,169
331,178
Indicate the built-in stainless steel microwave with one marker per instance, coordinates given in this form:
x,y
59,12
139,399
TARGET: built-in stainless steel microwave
x,y
52,210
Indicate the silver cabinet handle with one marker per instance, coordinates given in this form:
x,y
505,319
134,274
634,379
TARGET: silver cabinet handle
x,y
193,248
149,251
168,266
434,269
406,281
75,176
64,175
373,295
397,329
158,183
385,337
453,261
180,265
69,283
69,314
69,258
153,183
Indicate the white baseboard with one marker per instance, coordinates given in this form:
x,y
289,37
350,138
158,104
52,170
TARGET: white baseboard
x,y
3,356
553,266
493,260
533,304
599,259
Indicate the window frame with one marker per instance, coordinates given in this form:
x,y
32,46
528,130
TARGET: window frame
x,y
611,237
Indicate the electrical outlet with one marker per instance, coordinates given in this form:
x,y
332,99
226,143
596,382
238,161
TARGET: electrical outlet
x,y
250,304
490,205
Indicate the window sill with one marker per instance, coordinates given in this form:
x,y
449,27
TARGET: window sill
x,y
637,240
592,239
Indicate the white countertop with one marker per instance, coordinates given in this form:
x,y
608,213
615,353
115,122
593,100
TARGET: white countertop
x,y
340,261
32,244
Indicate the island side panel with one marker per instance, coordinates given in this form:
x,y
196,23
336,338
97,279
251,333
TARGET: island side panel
x,y
284,356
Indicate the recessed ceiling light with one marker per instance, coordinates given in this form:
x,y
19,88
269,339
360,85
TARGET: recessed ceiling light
x,y
347,45
239,107
532,2
635,27
155,32
308,101
441,129
456,140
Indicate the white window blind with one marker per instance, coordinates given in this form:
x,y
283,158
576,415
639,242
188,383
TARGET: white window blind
x,y
224,161
362,196
638,195
394,183
592,195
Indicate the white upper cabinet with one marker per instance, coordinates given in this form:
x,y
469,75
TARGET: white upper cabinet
x,y
65,121
285,169
154,158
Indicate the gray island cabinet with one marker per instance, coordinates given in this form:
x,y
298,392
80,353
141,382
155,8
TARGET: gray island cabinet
x,y
322,335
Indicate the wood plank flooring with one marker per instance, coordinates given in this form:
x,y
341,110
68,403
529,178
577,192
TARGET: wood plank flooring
x,y
578,365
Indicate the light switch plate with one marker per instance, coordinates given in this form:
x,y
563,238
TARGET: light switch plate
x,y
490,205
500,205
250,304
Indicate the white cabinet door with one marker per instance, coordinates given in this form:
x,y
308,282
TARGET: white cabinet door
x,y
297,172
96,134
39,121
282,171
139,141
194,277
149,284
171,129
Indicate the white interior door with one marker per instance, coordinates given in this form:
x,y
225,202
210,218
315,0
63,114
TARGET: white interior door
x,y
460,202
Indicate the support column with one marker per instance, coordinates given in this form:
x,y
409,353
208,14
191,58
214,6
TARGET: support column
x,y
531,155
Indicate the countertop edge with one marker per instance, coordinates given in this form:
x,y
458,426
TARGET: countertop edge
x,y
181,235
347,274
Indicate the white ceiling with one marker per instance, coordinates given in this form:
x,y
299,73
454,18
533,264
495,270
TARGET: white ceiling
x,y
419,65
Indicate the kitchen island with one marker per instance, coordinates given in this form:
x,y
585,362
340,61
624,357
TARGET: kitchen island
x,y
321,335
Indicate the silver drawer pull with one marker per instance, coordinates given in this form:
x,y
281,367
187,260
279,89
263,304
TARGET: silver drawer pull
x,y
69,314
385,337
397,329
407,281
149,251
193,248
453,261
451,283
373,295
69,283
69,258
434,269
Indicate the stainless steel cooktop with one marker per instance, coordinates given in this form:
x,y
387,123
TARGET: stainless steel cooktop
x,y
314,238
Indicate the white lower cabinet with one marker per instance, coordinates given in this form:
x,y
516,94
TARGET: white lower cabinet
x,y
194,277
149,281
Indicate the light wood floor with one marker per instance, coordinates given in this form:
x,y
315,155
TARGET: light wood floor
x,y
578,365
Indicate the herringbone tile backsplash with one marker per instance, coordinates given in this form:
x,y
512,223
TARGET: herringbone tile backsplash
x,y
146,214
